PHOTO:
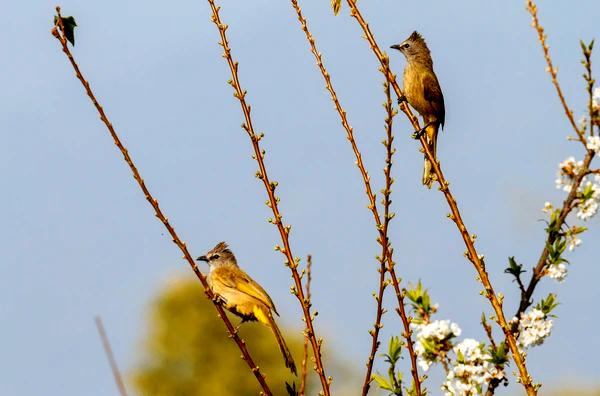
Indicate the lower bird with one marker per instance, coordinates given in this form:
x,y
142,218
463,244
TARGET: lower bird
x,y
242,295
422,91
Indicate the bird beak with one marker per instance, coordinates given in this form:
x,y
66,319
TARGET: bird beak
x,y
202,258
396,47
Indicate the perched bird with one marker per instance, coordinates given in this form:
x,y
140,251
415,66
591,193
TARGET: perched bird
x,y
241,295
422,91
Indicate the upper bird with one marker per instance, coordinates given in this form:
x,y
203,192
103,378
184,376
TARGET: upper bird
x,y
242,295
422,91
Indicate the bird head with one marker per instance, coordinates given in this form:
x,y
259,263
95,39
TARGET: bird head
x,y
220,255
413,47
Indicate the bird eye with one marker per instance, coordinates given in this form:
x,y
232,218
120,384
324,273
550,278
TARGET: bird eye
x,y
214,257
405,46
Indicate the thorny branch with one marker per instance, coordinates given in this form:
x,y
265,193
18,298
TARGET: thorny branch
x,y
371,196
304,370
158,211
455,216
284,230
387,216
532,8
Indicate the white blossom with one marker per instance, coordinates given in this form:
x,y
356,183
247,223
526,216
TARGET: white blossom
x,y
436,335
470,371
567,171
557,271
534,327
588,207
593,143
547,207
574,242
596,97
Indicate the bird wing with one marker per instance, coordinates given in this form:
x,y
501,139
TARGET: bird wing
x,y
433,94
242,282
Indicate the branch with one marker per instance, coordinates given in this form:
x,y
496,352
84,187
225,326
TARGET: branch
x,y
471,252
532,8
284,230
387,216
570,202
110,356
369,191
303,370
158,212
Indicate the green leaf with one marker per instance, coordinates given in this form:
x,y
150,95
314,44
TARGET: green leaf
x,y
68,26
547,304
383,382
514,268
498,355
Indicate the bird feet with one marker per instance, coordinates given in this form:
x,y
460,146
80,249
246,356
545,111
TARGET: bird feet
x,y
402,99
417,135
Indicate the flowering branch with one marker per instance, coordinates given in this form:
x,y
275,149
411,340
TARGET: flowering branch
x,y
572,175
471,252
109,355
382,239
59,33
284,230
303,370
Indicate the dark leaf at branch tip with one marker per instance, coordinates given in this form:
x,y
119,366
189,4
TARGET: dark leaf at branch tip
x,y
336,5
291,389
69,26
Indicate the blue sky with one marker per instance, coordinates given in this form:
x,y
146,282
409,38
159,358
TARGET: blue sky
x,y
78,238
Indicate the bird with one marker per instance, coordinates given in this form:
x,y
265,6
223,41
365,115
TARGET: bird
x,y
242,295
422,91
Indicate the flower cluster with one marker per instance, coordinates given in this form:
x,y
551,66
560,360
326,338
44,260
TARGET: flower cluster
x,y
557,271
434,340
534,328
568,170
471,371
589,199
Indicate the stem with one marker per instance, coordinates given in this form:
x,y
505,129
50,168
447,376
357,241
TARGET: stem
x,y
109,355
369,191
390,113
284,231
532,8
304,369
158,212
471,252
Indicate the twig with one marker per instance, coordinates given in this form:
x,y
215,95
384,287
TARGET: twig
x,y
387,216
371,197
284,230
304,369
109,355
158,212
532,8
471,252
569,202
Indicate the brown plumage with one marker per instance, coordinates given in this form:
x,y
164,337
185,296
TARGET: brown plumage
x,y
423,92
242,295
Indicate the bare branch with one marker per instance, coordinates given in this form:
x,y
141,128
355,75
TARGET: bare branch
x,y
109,355
455,216
158,211
284,230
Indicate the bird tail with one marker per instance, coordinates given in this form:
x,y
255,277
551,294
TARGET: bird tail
x,y
428,175
287,356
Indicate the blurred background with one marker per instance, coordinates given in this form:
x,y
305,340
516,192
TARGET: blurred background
x,y
78,239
